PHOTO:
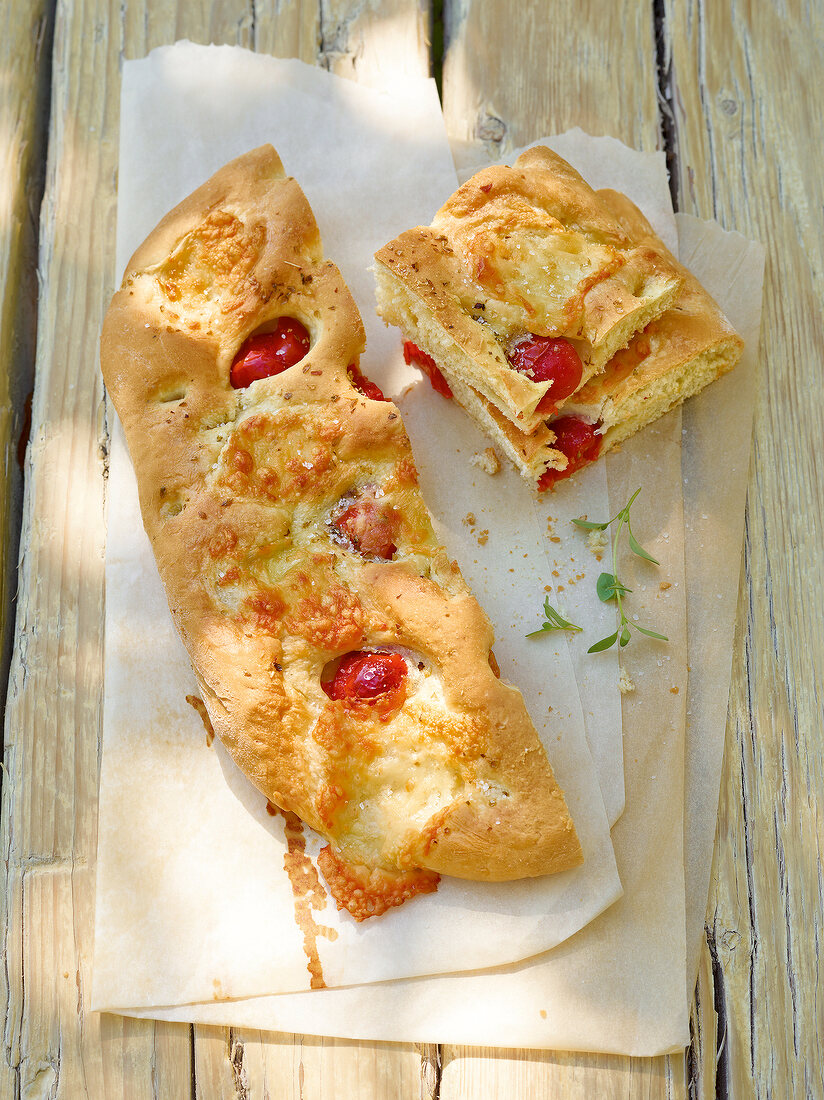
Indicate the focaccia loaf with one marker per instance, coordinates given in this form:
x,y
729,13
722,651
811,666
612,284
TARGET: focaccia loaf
x,y
342,659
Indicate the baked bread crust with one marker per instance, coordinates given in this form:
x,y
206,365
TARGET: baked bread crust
x,y
239,490
675,357
527,249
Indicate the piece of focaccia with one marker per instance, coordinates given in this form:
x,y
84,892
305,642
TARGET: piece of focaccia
x,y
341,657
673,356
523,287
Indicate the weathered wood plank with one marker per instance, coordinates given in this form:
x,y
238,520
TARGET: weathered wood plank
x,y
233,1063
498,1075
508,80
25,52
746,154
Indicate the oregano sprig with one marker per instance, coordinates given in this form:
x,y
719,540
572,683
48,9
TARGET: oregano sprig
x,y
554,621
609,587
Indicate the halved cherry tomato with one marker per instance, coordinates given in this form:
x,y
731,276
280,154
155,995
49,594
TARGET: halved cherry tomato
x,y
413,354
269,353
370,528
578,440
364,676
548,359
363,384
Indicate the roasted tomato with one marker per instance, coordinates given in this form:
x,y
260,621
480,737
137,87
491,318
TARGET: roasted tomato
x,y
269,353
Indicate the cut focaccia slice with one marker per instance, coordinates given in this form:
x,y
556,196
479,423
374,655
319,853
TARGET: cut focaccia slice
x,y
673,358
524,286
342,659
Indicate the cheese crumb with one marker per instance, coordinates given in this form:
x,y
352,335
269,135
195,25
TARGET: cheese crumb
x,y
625,682
487,461
469,519
597,542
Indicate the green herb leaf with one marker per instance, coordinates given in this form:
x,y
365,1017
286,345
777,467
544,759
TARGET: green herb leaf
x,y
609,587
651,633
555,621
636,548
605,643
588,525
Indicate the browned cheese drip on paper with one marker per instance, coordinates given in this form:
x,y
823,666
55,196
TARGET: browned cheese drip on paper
x,y
308,892
197,703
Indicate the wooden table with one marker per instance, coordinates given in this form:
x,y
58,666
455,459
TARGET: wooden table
x,y
730,92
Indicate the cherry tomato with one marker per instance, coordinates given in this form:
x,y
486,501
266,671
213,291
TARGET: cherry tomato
x,y
363,384
578,440
364,676
413,354
548,359
369,528
270,353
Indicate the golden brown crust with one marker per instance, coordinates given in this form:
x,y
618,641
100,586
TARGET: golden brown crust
x,y
241,491
526,249
673,358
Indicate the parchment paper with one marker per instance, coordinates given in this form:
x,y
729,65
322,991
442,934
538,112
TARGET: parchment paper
x,y
191,880
715,490
617,986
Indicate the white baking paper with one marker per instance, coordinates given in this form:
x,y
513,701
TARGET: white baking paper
x,y
191,881
715,491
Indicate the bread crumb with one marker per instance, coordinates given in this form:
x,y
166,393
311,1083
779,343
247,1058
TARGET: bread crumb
x,y
597,542
664,585
487,461
483,538
554,538
674,690
469,519
625,682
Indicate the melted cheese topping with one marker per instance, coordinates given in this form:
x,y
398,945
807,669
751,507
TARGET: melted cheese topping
x,y
533,270
379,778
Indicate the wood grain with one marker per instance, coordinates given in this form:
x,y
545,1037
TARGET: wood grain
x,y
25,62
233,1062
746,131
581,63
